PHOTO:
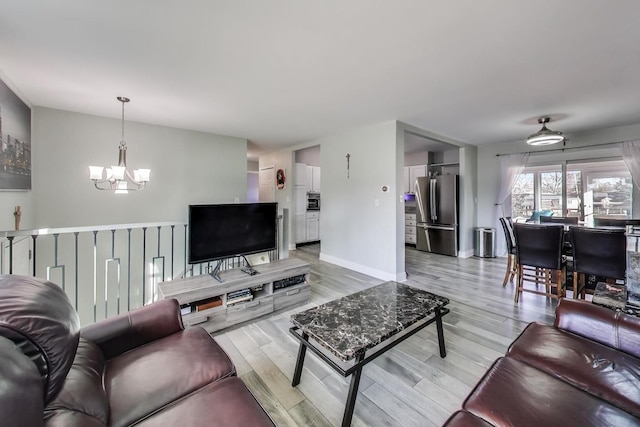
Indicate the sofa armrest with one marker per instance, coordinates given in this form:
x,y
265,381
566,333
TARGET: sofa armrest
x,y
127,331
611,328
22,390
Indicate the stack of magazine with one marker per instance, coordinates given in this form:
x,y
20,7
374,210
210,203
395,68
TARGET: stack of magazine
x,y
239,296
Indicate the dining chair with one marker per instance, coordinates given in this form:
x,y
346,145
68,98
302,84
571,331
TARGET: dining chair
x,y
615,222
560,219
540,259
597,252
512,264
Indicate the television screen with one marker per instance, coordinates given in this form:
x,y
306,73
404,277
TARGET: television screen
x,y
226,230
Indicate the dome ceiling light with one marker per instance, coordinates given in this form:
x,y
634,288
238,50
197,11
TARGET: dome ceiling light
x,y
545,136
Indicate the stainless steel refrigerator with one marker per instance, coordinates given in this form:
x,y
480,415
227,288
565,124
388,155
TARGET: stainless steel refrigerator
x,y
437,214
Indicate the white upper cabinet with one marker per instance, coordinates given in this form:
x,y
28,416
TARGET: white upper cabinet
x,y
415,172
300,174
313,179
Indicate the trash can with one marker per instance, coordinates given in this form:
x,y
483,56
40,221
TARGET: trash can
x,y
484,242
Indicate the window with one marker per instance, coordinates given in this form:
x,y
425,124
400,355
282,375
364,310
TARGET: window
x,y
562,189
538,188
610,185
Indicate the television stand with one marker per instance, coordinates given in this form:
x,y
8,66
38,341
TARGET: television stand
x,y
240,297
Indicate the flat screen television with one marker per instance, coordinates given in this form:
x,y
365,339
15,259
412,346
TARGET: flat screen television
x,y
226,230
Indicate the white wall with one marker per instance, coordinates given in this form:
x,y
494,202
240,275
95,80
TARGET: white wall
x,y
468,198
357,232
187,167
8,201
488,164
309,156
282,160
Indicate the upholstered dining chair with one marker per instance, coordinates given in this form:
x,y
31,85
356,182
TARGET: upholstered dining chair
x,y
540,259
599,252
560,219
512,264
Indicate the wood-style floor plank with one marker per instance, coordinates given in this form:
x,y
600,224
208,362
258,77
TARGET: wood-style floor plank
x,y
408,385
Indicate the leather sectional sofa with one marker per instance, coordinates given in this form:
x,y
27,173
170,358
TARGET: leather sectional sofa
x,y
582,371
141,368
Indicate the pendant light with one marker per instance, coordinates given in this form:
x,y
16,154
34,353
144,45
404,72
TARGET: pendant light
x,y
118,178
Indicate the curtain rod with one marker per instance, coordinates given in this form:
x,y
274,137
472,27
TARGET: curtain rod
x,y
562,149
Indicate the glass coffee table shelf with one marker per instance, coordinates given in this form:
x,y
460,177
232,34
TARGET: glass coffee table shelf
x,y
351,331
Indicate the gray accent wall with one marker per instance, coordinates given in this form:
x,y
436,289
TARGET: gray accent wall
x,y
187,167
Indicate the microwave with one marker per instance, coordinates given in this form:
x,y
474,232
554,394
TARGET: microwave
x,y
313,201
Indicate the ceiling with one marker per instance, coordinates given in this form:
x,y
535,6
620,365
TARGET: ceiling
x,y
282,72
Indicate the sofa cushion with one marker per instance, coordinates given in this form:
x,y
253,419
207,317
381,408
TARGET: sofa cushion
x,y
37,316
514,393
225,403
600,370
82,396
147,378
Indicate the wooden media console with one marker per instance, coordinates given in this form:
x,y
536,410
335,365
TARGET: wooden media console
x,y
240,297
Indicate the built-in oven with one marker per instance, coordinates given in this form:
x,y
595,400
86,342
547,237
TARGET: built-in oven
x,y
313,201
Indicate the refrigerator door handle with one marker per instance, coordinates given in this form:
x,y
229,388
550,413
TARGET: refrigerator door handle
x,y
432,200
420,202
436,227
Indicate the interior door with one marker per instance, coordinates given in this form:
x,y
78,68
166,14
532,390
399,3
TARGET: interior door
x,y
267,185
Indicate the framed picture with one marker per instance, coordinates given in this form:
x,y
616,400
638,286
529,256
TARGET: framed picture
x,y
15,141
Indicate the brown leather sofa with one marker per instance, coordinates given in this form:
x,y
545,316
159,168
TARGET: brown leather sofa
x,y
582,371
141,368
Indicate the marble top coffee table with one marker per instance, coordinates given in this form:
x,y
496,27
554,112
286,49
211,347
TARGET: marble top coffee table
x,y
352,326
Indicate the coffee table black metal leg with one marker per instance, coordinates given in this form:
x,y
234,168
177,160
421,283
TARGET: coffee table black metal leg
x,y
302,351
443,351
353,393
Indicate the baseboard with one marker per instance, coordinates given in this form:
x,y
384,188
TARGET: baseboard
x,y
465,254
378,274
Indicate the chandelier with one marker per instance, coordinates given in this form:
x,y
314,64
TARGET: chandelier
x,y
118,178
545,136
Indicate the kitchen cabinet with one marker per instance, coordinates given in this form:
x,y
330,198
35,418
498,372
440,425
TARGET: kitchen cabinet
x,y
300,221
313,226
415,172
300,175
313,179
300,210
410,228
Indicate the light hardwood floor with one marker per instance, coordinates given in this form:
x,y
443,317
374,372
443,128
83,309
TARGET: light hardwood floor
x,y
410,385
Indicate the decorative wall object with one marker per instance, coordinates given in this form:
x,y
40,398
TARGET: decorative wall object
x,y
348,156
15,141
280,179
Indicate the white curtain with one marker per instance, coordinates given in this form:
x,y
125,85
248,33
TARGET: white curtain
x,y
631,155
511,166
